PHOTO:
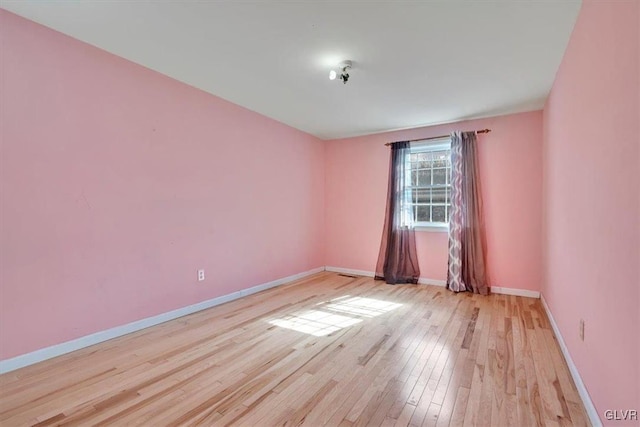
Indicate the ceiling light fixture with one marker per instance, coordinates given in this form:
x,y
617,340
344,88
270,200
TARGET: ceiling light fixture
x,y
342,73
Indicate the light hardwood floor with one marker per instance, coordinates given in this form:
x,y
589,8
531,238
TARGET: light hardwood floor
x,y
325,350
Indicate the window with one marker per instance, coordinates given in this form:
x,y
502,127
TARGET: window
x,y
430,174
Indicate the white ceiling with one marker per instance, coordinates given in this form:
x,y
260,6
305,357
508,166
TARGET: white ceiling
x,y
415,63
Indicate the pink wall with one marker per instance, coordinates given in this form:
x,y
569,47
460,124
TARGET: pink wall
x,y
592,198
118,183
511,173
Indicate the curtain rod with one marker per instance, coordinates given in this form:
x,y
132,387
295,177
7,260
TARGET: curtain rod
x,y
438,137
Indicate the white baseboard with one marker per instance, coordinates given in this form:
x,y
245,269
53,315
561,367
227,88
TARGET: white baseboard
x,y
350,271
98,337
514,291
592,413
436,282
422,280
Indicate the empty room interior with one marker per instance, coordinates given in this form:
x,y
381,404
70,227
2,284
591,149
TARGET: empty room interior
x,y
354,213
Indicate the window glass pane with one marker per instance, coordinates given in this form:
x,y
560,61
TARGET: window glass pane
x,y
424,177
439,195
423,213
418,159
438,214
441,158
427,164
414,177
439,176
420,195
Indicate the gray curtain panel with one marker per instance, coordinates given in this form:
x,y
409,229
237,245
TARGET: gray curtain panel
x,y
398,259
467,247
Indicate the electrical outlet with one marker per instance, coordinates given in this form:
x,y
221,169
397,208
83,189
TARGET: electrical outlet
x,y
200,275
582,329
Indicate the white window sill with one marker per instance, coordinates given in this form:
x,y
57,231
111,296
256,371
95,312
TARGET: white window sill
x,y
433,228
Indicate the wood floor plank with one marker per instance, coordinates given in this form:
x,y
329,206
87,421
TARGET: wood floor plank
x,y
324,350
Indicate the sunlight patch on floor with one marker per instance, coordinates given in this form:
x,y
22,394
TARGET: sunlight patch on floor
x,y
333,315
367,307
315,322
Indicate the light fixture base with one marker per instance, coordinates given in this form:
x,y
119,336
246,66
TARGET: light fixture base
x,y
343,73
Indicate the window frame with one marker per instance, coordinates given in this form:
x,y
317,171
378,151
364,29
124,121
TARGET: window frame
x,y
422,147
